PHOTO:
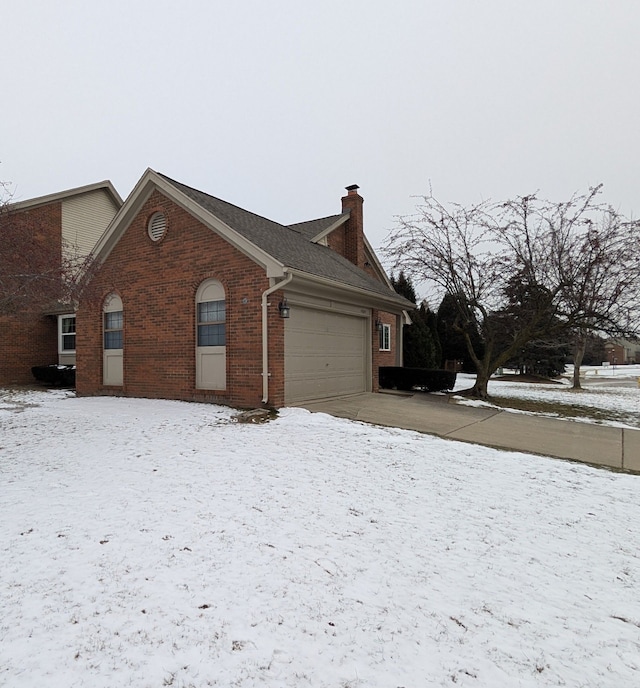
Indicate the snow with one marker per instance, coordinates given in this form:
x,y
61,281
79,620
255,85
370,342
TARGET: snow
x,y
615,390
158,543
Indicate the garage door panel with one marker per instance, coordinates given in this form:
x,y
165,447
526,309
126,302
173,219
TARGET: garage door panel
x,y
325,354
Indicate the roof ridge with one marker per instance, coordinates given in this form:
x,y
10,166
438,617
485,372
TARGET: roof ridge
x,y
287,245
220,200
56,196
317,219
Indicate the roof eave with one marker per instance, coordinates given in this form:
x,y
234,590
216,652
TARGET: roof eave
x,y
105,185
392,303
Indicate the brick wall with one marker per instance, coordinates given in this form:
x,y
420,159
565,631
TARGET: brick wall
x,y
157,282
383,358
616,354
354,227
25,343
335,240
31,243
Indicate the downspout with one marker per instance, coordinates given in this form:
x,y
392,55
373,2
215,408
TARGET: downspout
x,y
400,353
265,335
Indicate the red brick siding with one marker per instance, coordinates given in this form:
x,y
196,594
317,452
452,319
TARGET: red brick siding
x,y
335,240
29,338
157,282
25,343
354,229
616,354
383,358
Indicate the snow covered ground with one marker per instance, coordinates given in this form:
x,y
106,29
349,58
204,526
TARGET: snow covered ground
x,y
606,390
157,543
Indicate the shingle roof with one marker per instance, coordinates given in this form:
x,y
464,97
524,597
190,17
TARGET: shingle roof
x,y
311,228
289,245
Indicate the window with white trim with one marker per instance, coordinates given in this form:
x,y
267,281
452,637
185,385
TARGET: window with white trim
x,y
113,330
66,334
211,323
112,341
385,337
211,336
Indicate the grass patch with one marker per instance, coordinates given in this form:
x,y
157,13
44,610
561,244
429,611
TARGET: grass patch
x,y
565,410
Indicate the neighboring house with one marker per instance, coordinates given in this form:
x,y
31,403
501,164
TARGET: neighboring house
x,y
622,351
197,299
42,332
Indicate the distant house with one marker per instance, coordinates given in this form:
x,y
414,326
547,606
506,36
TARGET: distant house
x,y
197,299
622,351
40,333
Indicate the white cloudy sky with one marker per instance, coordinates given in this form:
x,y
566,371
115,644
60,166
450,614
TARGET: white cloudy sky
x,y
278,105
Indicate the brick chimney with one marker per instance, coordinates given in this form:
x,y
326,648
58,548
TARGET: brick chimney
x,y
354,233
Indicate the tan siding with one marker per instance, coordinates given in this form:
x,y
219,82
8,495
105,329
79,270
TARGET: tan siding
x,y
85,217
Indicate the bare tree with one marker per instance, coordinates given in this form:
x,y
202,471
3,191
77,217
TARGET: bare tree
x,y
599,268
507,266
38,269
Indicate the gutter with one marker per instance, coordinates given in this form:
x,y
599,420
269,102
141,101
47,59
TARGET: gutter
x,y
396,305
265,335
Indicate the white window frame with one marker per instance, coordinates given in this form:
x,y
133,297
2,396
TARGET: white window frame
x,y
385,337
112,359
61,334
211,359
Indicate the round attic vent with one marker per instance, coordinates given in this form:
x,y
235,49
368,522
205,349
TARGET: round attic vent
x,y
157,226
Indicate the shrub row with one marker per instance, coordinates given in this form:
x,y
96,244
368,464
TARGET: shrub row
x,y
392,377
64,376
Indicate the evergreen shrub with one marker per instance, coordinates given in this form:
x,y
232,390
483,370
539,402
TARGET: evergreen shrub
x,y
393,377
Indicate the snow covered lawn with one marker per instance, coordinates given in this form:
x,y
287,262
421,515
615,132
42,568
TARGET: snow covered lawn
x,y
156,543
609,396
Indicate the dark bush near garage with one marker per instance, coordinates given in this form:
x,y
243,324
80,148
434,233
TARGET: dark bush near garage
x,y
392,377
55,375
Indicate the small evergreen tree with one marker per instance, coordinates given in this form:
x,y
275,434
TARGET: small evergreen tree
x,y
419,348
403,286
451,334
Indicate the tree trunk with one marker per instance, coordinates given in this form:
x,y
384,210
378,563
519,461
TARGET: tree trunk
x,y
479,389
578,355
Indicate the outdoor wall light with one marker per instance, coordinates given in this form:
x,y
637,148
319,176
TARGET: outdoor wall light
x,y
284,309
378,324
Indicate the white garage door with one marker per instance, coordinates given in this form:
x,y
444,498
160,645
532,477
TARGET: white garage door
x,y
325,354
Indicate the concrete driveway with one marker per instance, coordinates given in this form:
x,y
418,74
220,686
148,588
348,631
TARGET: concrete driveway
x,y
433,414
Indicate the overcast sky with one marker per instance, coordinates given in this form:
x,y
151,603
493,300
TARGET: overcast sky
x,y
277,105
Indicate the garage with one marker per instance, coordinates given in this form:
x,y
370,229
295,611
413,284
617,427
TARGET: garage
x,y
325,354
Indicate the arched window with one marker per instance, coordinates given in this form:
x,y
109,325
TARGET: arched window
x,y
113,327
211,336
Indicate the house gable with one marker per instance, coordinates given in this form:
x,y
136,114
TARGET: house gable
x,y
44,227
150,182
85,217
158,283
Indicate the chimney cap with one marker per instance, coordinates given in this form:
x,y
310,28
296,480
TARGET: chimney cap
x,y
353,187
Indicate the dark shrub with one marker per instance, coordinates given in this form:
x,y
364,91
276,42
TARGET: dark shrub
x,y
392,377
55,375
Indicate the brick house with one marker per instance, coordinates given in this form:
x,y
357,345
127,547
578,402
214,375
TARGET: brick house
x,y
622,351
197,299
37,235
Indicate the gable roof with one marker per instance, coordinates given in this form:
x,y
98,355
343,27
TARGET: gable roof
x,y
105,185
279,248
316,229
292,245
